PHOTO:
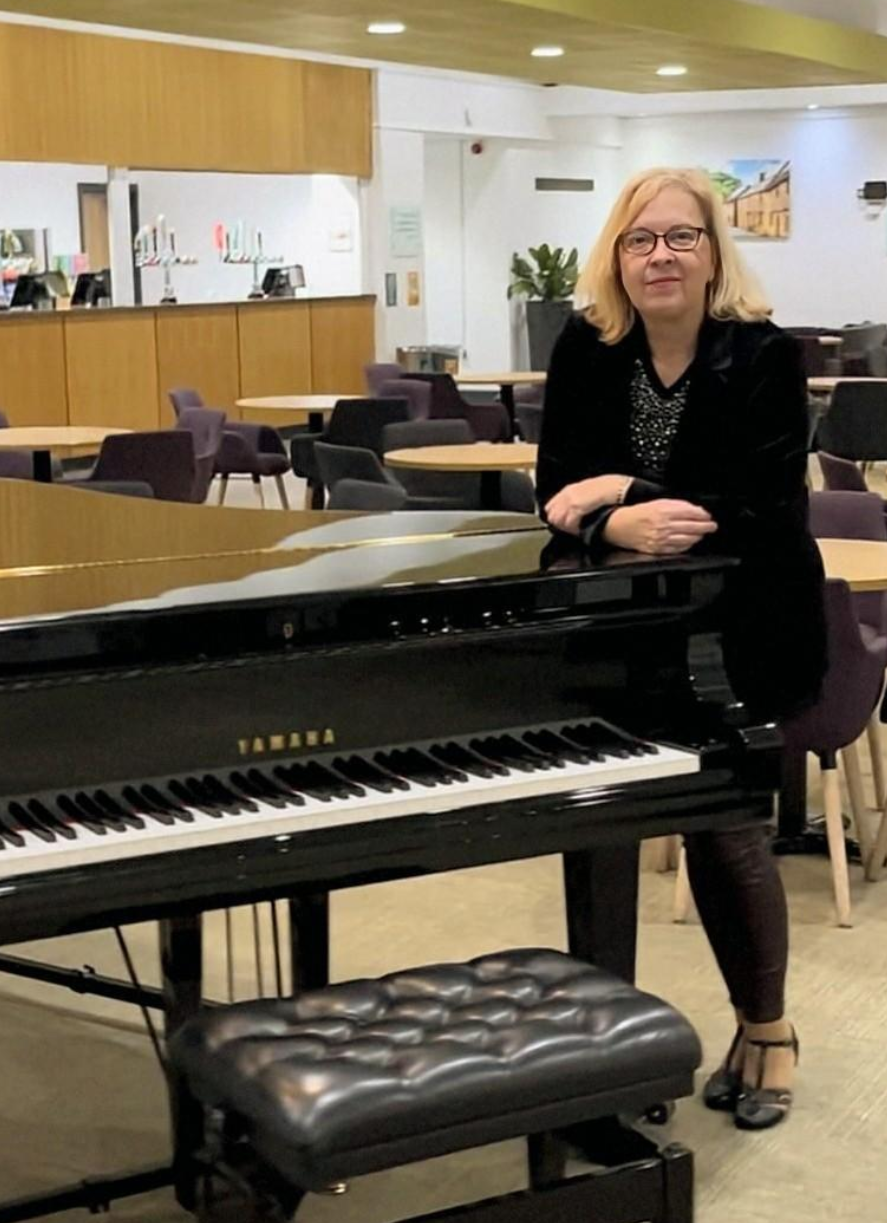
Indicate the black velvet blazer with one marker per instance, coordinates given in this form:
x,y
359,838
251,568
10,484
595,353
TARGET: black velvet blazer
x,y
741,452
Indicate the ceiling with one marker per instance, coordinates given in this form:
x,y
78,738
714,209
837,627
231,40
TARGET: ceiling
x,y
610,44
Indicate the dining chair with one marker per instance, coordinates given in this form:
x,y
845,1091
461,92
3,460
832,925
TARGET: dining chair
x,y
840,475
256,451
855,424
353,422
489,422
205,426
377,372
351,494
162,459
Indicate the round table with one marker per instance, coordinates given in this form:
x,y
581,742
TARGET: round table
x,y
487,459
862,563
506,383
822,385
298,409
63,441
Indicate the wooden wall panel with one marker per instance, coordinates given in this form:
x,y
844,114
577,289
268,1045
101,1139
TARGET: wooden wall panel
x,y
336,102
275,348
342,342
112,368
126,102
33,389
197,347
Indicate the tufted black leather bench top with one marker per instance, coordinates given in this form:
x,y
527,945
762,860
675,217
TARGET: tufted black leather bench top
x,y
370,1074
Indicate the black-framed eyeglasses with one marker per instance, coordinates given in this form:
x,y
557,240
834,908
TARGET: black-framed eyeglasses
x,y
678,238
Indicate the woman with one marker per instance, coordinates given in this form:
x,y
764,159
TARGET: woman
x,y
675,418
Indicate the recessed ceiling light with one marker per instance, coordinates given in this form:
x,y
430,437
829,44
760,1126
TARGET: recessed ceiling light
x,y
547,52
813,106
386,27
671,70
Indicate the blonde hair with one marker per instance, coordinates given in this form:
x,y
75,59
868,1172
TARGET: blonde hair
x,y
733,293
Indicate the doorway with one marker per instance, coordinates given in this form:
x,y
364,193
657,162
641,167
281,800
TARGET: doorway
x,y
92,199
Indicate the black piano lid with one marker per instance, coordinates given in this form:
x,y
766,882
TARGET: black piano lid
x,y
354,584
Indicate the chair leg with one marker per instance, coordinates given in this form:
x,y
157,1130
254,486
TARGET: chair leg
x,y
873,733
223,489
834,828
281,492
683,896
257,481
875,864
853,775
659,854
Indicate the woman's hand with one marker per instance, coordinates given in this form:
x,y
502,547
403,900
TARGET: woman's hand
x,y
660,528
567,508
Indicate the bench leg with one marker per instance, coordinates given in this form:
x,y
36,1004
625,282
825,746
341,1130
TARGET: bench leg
x,y
546,1158
678,1174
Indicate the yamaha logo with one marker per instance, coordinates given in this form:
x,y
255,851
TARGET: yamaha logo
x,y
286,741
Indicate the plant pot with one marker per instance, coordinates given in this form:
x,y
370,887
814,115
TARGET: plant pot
x,y
545,321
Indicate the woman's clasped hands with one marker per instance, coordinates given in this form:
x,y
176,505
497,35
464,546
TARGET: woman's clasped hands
x,y
660,528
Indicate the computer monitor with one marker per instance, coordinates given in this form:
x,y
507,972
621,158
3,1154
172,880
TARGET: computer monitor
x,y
91,287
30,291
283,282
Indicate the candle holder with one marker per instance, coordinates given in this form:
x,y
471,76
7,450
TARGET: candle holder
x,y
155,246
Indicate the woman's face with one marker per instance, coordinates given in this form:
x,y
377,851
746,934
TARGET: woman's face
x,y
665,284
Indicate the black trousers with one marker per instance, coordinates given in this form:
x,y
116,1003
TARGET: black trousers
x,y
741,903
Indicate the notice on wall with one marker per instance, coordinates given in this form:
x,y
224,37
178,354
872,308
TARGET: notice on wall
x,y
405,231
414,296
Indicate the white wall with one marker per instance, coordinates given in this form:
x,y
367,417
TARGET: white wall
x,y
294,212
833,268
444,248
35,195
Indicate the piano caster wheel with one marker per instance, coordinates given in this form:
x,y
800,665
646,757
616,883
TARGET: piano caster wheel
x,y
660,1114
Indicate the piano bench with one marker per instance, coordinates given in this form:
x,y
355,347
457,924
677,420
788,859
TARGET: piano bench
x,y
301,1094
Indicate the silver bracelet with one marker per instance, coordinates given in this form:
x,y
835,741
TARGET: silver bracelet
x,y
623,491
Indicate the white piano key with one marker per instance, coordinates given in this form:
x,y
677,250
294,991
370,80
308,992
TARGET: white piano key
x,y
289,821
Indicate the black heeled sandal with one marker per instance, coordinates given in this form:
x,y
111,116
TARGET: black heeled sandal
x,y
758,1107
722,1089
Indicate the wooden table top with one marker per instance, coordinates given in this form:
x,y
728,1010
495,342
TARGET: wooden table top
x,y
531,377
294,403
827,385
475,456
62,440
862,563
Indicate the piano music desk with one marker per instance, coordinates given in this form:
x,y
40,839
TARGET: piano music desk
x,y
61,441
490,459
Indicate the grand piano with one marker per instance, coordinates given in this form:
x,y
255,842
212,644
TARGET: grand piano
x,y
203,708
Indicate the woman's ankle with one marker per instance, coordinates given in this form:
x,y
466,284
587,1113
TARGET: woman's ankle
x,y
776,1029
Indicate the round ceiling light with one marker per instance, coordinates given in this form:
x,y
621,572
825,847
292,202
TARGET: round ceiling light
x,y
547,52
386,27
671,70
813,106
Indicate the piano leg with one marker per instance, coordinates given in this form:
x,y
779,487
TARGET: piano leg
x,y
181,964
601,893
310,940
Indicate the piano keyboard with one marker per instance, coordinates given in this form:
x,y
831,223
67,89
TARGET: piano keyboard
x,y
284,799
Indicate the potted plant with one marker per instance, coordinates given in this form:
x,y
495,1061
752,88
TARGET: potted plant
x,y
547,279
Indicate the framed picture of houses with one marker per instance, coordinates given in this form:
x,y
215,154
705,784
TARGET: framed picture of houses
x,y
757,197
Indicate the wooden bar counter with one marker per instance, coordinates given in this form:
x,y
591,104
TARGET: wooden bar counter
x,y
114,367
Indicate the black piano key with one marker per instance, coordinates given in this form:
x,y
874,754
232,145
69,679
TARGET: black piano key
x,y
34,824
255,787
416,766
233,802
101,826
91,808
360,771
163,803
520,746
140,804
56,820
596,739
461,758
11,827
275,791
190,795
555,745
313,779
501,748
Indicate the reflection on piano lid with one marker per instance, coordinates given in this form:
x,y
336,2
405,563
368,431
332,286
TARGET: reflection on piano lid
x,y
64,552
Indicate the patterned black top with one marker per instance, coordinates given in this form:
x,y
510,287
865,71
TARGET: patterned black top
x,y
655,413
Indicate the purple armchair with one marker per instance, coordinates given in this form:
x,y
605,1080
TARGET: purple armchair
x,y
164,460
254,450
489,422
850,692
841,475
205,425
377,372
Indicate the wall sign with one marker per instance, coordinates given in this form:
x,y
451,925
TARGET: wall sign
x,y
405,231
